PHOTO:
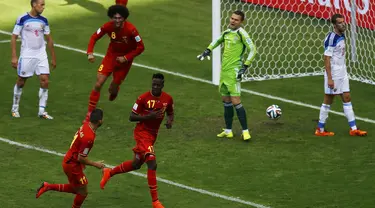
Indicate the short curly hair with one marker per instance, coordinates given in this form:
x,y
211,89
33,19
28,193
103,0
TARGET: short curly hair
x,y
158,76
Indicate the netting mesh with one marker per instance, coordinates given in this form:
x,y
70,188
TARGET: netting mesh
x,y
290,43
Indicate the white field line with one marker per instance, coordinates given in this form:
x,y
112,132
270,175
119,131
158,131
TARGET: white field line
x,y
209,82
8,41
201,191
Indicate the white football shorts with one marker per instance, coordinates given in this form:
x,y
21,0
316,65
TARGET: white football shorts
x,y
340,86
28,66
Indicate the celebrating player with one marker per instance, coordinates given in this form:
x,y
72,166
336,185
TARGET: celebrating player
x,y
75,160
122,2
148,111
235,40
32,27
336,81
125,45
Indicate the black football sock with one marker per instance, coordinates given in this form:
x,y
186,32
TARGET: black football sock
x,y
241,114
228,115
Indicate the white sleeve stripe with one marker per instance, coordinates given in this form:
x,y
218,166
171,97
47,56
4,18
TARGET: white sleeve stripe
x,y
17,29
331,38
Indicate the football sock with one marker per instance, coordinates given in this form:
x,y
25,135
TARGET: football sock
x,y
323,115
94,98
43,96
61,188
349,113
122,168
241,114
228,115
151,179
78,200
17,92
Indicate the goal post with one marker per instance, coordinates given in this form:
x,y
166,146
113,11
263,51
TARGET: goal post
x,y
216,32
289,36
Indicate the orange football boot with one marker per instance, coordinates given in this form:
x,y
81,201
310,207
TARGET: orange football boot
x,y
324,133
357,132
105,178
41,189
157,204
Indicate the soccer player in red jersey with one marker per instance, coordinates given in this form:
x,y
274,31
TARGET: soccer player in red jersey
x,y
75,160
122,2
148,111
125,44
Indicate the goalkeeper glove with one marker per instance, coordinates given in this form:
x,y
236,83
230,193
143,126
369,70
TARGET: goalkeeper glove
x,y
241,72
206,53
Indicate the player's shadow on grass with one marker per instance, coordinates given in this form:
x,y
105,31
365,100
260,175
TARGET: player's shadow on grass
x,y
87,4
272,123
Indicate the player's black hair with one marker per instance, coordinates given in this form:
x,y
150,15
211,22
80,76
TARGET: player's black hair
x,y
96,115
239,12
32,2
335,17
158,76
118,9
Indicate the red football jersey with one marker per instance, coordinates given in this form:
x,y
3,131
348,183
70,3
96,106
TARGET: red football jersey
x,y
124,41
81,145
147,103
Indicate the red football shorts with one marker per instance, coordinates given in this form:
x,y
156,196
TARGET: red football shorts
x,y
75,174
109,65
144,144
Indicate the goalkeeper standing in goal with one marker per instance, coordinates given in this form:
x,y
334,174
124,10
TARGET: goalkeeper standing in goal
x,y
236,40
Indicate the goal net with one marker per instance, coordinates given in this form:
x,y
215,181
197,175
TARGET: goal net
x,y
289,36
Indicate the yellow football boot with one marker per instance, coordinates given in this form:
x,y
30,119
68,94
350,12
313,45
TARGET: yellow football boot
x,y
224,134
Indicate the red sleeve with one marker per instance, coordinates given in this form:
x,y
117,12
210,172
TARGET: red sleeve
x,y
86,145
138,106
95,37
170,107
140,46
122,2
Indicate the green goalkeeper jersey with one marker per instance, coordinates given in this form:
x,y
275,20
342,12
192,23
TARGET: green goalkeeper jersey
x,y
235,44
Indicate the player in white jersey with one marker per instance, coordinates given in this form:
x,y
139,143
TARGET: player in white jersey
x,y
336,81
32,27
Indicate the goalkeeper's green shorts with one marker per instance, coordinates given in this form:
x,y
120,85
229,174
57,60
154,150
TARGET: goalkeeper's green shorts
x,y
230,89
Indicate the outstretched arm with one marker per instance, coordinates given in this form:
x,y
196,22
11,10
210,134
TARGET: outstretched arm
x,y
216,42
213,45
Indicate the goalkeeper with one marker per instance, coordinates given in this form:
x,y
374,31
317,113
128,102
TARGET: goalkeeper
x,y
235,40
